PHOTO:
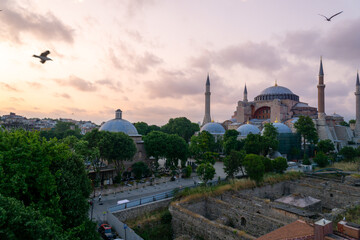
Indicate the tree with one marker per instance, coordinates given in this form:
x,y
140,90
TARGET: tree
x,y
176,149
140,169
204,142
182,127
306,128
206,172
117,147
270,131
269,137
267,164
325,146
254,167
230,141
62,130
352,121
349,153
343,123
306,160
142,128
47,183
233,163
253,144
280,164
321,159
155,145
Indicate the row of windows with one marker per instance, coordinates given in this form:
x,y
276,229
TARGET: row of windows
x,y
277,96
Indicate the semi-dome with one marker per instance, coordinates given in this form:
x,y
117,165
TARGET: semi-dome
x,y
246,129
119,125
277,92
213,128
281,128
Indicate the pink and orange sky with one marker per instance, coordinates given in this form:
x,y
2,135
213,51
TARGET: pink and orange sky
x,y
150,58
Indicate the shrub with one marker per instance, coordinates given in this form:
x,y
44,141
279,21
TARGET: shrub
x,y
280,164
267,164
254,167
321,159
188,171
348,152
306,160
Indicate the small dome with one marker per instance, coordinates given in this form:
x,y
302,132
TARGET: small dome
x,y
213,128
246,129
120,125
281,128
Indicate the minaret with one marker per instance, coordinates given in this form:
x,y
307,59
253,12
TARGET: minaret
x,y
245,94
207,117
357,94
321,93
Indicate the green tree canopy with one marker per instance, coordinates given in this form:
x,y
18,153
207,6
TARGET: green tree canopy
x,y
47,182
62,130
140,169
280,164
321,159
306,128
142,127
348,152
204,142
117,147
176,149
230,133
182,127
270,131
206,172
233,163
254,167
155,144
325,146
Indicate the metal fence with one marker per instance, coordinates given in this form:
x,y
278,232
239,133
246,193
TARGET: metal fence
x,y
153,198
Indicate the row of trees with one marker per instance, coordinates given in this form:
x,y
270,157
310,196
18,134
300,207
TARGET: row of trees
x,y
44,189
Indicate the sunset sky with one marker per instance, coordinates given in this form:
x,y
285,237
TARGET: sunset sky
x,y
150,58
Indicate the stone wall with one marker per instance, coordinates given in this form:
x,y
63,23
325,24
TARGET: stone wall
x,y
134,212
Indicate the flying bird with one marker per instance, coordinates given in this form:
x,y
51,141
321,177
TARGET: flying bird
x,y
43,56
329,19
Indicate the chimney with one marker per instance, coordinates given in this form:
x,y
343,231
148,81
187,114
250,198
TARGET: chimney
x,y
323,227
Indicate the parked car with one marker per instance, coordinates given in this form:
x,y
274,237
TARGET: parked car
x,y
105,231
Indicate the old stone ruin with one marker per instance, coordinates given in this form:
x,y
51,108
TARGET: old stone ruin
x,y
252,213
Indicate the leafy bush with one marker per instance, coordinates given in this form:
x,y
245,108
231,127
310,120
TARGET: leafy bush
x,y
188,171
321,159
267,164
280,164
306,160
254,167
348,152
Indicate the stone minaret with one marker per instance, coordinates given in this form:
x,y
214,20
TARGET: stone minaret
x,y
245,94
207,117
321,93
357,94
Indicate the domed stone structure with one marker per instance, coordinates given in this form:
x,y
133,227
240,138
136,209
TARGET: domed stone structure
x,y
282,128
246,129
213,128
120,125
275,102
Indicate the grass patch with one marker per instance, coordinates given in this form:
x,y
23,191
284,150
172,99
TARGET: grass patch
x,y
351,215
235,185
347,166
155,225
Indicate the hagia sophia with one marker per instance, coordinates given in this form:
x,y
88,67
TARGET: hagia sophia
x,y
275,104
280,106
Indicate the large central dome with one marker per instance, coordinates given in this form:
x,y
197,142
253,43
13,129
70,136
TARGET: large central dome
x,y
276,92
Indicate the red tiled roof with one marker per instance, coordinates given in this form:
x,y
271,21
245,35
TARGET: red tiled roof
x,y
293,230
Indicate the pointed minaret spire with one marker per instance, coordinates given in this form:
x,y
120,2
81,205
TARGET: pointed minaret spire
x,y
245,94
321,93
207,117
357,106
208,80
321,71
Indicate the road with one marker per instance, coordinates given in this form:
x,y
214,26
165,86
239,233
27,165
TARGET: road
x,y
100,208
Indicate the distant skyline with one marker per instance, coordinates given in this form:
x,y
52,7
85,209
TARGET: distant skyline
x,y
150,58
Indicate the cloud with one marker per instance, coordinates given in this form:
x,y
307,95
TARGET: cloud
x,y
15,99
114,85
16,21
77,83
63,95
8,87
340,42
34,85
137,6
175,84
143,63
251,55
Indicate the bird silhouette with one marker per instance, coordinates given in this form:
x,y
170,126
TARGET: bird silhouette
x,y
329,19
43,56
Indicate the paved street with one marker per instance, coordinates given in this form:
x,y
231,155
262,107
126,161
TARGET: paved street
x,y
99,211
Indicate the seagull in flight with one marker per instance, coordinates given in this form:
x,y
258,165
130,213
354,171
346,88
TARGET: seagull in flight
x,y
43,56
329,19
